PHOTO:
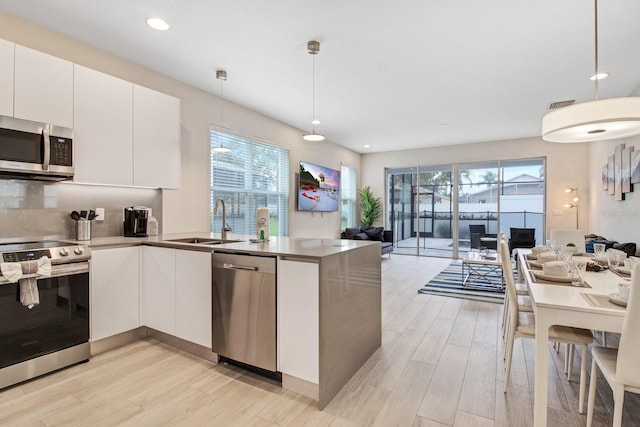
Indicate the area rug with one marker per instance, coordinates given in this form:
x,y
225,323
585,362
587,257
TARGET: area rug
x,y
449,283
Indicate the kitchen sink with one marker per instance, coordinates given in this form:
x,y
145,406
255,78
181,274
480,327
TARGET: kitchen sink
x,y
200,241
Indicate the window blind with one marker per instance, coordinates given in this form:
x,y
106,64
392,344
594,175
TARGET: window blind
x,y
254,174
348,195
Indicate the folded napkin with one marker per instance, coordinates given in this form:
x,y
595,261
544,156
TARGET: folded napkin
x,y
14,271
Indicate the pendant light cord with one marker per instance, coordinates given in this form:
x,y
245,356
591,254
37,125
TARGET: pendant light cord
x,y
313,93
596,49
221,101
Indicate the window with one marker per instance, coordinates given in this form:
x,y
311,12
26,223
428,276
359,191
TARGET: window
x,y
348,197
254,174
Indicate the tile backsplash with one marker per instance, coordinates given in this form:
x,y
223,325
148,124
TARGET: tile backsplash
x,y
31,210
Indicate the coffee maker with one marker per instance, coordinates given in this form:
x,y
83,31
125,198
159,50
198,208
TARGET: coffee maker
x,y
135,221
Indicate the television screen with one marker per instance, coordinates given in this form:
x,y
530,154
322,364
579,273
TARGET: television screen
x,y
318,188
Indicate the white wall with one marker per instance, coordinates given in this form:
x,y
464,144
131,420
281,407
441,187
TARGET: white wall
x,y
567,166
187,209
608,218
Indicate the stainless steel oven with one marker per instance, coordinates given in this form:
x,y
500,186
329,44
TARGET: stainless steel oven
x,y
54,333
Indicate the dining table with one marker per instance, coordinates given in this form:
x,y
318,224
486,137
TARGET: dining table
x,y
589,306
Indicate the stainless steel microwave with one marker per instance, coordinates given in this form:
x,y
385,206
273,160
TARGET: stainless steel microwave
x,y
33,150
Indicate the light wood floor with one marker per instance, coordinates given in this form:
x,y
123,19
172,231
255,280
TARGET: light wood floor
x,y
440,365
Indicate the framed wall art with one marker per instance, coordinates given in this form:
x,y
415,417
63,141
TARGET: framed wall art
x,y
611,188
635,167
617,174
626,169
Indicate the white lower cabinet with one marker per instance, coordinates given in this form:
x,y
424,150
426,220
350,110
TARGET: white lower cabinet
x,y
159,289
298,319
176,289
115,295
193,296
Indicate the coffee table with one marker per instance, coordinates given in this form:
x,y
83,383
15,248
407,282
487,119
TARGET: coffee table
x,y
480,271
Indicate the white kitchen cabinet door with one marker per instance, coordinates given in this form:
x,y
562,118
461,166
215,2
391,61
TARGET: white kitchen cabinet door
x,y
115,291
159,289
193,296
156,139
6,77
43,87
103,119
298,319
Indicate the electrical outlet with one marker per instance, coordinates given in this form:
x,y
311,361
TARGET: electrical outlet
x,y
99,214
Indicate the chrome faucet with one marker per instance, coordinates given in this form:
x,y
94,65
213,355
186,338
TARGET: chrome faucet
x,y
225,226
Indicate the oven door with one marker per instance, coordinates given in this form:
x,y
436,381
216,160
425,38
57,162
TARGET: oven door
x,y
60,321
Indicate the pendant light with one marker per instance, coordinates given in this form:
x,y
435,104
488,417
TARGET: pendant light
x,y
598,120
313,47
222,76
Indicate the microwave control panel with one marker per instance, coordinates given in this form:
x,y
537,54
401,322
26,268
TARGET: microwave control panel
x,y
61,151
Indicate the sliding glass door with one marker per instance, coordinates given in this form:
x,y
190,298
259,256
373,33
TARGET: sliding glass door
x,y
478,205
419,211
449,210
522,196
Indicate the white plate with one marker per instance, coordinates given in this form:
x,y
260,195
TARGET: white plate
x,y
535,264
615,298
542,276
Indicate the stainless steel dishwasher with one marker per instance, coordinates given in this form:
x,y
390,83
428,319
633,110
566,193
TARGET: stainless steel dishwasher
x,y
244,309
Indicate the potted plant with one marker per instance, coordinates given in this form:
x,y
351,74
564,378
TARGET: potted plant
x,y
371,207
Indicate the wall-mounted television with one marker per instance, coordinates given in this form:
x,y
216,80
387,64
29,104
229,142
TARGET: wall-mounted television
x,y
318,188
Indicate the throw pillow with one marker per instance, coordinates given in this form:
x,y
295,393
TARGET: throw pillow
x,y
360,236
350,232
374,233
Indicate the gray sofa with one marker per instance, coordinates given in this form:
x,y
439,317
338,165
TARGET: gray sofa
x,y
385,237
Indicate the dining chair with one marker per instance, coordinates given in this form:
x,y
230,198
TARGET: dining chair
x,y
522,238
522,293
620,366
479,237
522,325
563,237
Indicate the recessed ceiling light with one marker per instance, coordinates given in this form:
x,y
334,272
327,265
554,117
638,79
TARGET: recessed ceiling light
x,y
599,76
443,125
366,146
158,24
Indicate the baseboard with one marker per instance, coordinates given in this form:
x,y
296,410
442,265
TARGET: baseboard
x,y
189,347
300,386
118,340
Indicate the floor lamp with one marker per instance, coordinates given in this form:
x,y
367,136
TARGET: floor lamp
x,y
573,203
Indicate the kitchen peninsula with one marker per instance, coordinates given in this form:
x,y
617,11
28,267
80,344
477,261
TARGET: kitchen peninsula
x,y
328,300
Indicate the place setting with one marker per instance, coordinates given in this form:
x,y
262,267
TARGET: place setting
x,y
562,273
616,300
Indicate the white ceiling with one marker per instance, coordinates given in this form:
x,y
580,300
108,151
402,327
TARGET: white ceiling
x,y
389,73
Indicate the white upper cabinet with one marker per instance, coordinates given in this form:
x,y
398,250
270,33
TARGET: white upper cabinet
x,y
156,139
43,87
103,118
6,78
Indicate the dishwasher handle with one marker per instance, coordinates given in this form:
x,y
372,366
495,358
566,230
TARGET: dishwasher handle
x,y
239,267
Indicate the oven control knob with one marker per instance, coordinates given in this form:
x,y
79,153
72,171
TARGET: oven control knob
x,y
63,252
78,250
